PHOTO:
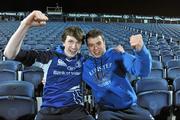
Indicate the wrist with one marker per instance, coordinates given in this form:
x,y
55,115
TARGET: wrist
x,y
24,24
138,48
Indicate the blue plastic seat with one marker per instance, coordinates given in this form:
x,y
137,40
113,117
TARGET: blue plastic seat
x,y
153,95
34,75
9,70
17,100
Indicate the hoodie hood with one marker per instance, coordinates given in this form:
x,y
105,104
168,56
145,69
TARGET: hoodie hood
x,y
103,57
59,51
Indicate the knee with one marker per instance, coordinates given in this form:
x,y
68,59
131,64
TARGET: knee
x,y
106,115
148,116
151,117
38,117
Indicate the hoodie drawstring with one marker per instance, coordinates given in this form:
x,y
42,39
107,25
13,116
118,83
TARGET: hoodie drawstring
x,y
102,74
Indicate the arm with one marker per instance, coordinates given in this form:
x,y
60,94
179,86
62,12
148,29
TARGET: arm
x,y
29,57
140,64
119,48
36,18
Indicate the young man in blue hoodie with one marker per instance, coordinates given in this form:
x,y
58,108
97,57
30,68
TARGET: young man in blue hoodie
x,y
62,97
105,72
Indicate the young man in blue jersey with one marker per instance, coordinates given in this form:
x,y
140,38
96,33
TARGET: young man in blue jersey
x,y
105,72
62,98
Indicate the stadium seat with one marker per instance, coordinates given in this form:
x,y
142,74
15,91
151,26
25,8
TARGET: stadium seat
x,y
17,100
1,54
157,70
173,63
176,86
34,75
177,53
155,55
157,64
26,47
153,95
156,73
9,70
11,65
173,69
166,58
173,73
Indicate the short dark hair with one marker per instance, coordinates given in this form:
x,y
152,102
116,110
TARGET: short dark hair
x,y
94,33
74,31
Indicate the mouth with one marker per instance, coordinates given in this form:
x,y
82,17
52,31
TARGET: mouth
x,y
97,53
73,51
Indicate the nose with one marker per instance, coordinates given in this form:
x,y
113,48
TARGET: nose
x,y
95,47
74,45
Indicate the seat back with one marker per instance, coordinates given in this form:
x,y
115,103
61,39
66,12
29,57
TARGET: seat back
x,y
16,99
157,64
10,65
176,86
173,63
34,75
156,73
173,73
153,95
9,70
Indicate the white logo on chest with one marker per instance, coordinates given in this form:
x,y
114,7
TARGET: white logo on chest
x,y
61,63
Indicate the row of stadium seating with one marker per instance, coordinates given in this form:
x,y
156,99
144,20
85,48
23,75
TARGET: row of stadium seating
x,y
162,45
153,84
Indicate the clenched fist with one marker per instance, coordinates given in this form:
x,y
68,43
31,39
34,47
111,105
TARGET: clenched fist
x,y
136,42
119,48
35,18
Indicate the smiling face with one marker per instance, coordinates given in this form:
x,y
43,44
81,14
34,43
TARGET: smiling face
x,y
96,46
71,46
72,38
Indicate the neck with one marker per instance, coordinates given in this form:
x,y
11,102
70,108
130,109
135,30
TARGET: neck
x,y
67,54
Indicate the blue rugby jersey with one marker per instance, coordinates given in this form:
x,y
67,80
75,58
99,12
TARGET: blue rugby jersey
x,y
63,78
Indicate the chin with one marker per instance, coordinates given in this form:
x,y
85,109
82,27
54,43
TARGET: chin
x,y
73,55
97,56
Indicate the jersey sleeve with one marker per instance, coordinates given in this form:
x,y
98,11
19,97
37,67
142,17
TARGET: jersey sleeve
x,y
31,56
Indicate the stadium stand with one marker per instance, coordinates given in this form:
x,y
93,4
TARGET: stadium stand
x,y
162,40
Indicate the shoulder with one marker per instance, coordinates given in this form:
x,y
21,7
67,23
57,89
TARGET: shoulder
x,y
111,51
87,60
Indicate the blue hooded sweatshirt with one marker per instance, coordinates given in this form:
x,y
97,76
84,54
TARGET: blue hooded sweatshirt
x,y
106,76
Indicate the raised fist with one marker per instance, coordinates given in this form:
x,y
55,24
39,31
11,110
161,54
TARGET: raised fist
x,y
136,42
35,18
